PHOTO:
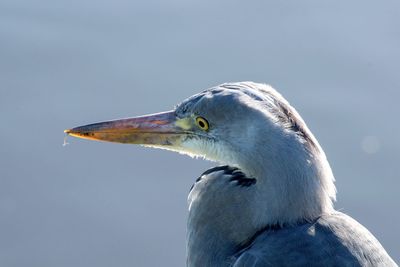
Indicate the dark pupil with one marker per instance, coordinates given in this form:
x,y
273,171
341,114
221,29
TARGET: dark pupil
x,y
201,123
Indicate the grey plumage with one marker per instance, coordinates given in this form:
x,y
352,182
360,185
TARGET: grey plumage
x,y
272,204
226,222
331,240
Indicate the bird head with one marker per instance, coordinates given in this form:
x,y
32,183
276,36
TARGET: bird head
x,y
239,124
246,125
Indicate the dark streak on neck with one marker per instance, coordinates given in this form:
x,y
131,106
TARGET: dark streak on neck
x,y
236,175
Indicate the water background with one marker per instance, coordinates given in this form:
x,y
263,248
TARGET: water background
x,y
67,63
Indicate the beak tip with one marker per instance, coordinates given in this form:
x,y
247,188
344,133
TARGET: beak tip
x,y
68,131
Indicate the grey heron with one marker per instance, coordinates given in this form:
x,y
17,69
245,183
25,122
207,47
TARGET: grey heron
x,y
271,202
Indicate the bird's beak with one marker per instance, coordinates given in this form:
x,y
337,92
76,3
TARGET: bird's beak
x,y
161,129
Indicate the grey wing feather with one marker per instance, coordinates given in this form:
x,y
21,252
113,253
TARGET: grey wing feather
x,y
333,240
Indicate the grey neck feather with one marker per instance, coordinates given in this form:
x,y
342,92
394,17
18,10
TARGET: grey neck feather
x,y
294,184
223,216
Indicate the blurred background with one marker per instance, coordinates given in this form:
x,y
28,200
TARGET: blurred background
x,y
67,63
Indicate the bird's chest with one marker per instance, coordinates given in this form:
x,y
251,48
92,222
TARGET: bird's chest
x,y
209,241
219,220
214,202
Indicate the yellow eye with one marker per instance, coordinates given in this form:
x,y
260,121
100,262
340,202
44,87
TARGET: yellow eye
x,y
202,123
